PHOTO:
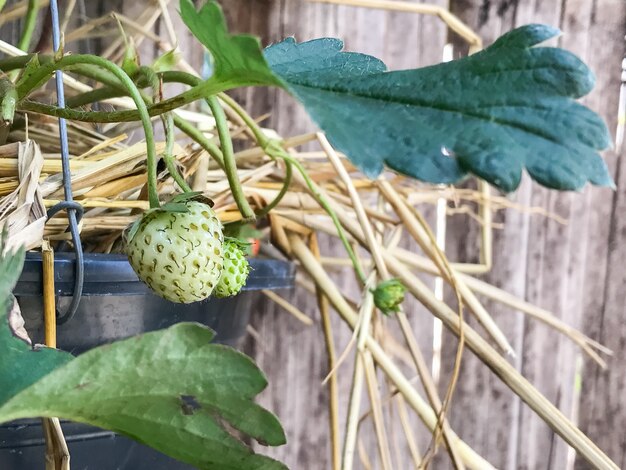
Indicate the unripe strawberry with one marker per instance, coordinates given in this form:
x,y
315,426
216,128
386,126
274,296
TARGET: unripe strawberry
x,y
235,272
178,253
389,295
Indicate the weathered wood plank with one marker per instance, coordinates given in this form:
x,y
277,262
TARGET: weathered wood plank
x,y
484,411
602,408
555,262
575,270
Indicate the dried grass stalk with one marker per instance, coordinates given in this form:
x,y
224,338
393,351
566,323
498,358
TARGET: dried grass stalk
x,y
22,213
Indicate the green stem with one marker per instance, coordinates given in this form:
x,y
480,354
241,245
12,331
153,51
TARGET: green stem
x,y
208,88
113,90
78,63
93,96
124,80
46,66
168,155
259,135
67,62
27,31
266,210
319,197
230,165
20,62
198,137
29,25
286,183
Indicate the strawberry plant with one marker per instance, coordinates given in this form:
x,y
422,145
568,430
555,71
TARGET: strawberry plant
x,y
170,389
177,250
508,109
235,271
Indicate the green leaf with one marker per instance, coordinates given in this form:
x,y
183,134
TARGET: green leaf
x,y
235,57
492,114
171,390
166,61
21,364
32,67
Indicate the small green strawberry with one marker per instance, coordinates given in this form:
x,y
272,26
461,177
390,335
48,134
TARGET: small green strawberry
x,y
389,295
177,250
235,272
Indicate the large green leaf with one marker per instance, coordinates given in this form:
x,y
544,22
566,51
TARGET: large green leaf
x,y
235,57
171,390
21,364
494,113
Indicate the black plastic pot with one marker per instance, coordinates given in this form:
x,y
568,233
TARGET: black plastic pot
x,y
117,305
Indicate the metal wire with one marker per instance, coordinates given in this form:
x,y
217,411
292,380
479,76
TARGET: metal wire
x,y
66,205
69,203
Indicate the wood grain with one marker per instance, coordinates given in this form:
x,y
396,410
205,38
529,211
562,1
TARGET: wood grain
x,y
575,270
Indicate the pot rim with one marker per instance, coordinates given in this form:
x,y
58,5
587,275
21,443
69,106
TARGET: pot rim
x,y
111,274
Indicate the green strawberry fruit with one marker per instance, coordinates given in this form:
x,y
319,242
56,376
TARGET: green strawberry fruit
x,y
235,272
389,295
178,253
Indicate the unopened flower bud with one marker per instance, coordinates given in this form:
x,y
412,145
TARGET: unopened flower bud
x,y
388,296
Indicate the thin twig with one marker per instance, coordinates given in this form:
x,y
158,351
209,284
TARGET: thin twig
x,y
333,386
297,313
365,313
300,251
375,250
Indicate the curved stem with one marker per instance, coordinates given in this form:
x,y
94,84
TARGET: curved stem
x,y
113,90
198,137
134,93
207,88
230,165
266,210
260,137
93,96
286,183
95,73
168,155
319,197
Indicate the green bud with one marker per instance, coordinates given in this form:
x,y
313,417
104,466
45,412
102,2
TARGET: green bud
x,y
8,101
130,62
389,295
166,62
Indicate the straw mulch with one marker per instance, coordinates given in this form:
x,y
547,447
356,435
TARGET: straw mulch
x,y
108,178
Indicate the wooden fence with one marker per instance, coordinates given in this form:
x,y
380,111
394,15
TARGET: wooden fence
x,y
576,270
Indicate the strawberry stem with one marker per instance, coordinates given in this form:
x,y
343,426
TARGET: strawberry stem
x,y
275,150
319,197
194,134
230,165
168,155
125,81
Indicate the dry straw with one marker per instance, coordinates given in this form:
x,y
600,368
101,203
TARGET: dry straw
x,y
108,177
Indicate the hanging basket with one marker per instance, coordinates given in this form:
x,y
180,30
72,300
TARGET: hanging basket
x,y
117,305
